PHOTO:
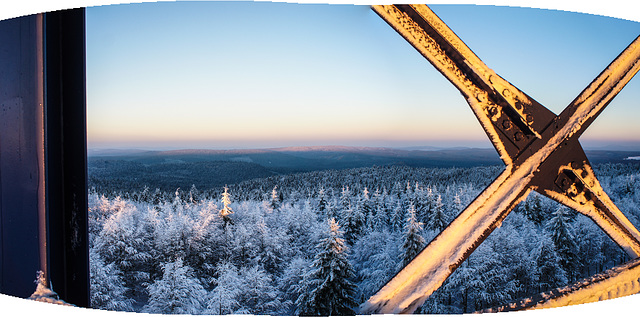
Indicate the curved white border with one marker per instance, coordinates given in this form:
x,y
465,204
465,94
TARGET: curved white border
x,y
624,9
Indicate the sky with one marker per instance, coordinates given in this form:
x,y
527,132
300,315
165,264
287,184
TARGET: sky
x,y
255,75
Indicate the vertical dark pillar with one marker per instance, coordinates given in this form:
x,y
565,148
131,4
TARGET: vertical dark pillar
x,y
43,192
65,152
21,155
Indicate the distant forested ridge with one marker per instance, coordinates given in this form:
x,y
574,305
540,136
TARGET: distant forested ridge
x,y
265,246
121,171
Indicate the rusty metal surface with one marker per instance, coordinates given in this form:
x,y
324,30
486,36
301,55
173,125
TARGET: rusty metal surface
x,y
541,151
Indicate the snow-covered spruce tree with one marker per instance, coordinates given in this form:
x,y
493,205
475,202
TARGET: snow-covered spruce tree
x,y
533,209
225,212
590,246
438,219
194,195
178,292
514,243
365,208
322,201
424,213
175,234
122,243
381,216
271,249
375,258
561,232
176,205
100,211
107,287
354,224
345,199
274,203
398,217
493,274
290,283
464,281
207,241
258,295
223,299
550,272
457,204
413,241
328,287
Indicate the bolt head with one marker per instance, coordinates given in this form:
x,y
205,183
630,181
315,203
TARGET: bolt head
x,y
518,136
506,124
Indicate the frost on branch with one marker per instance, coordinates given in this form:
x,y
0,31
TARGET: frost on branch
x,y
329,290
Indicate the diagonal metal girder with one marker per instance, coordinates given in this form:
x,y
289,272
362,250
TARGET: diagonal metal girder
x,y
541,152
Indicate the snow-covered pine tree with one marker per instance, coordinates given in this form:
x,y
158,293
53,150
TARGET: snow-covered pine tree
x,y
194,194
332,210
423,214
257,296
457,203
274,203
354,223
107,287
493,274
413,241
208,241
419,199
398,217
122,243
380,215
533,209
409,194
366,209
145,195
157,197
550,272
590,246
223,298
561,233
375,258
328,287
345,199
178,292
322,201
176,205
271,247
225,212
464,281
290,283
438,219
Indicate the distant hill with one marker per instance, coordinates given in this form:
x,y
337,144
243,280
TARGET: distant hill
x,y
168,170
124,175
312,157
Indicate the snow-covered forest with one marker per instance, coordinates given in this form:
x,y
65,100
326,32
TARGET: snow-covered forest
x,y
321,243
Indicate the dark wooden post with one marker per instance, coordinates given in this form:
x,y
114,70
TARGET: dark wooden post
x,y
43,192
66,154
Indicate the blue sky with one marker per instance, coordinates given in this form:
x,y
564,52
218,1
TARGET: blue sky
x,y
241,74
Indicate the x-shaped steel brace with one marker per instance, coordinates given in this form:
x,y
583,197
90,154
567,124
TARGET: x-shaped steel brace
x,y
541,152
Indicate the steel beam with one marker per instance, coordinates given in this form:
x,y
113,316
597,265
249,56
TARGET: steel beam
x,y
535,144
